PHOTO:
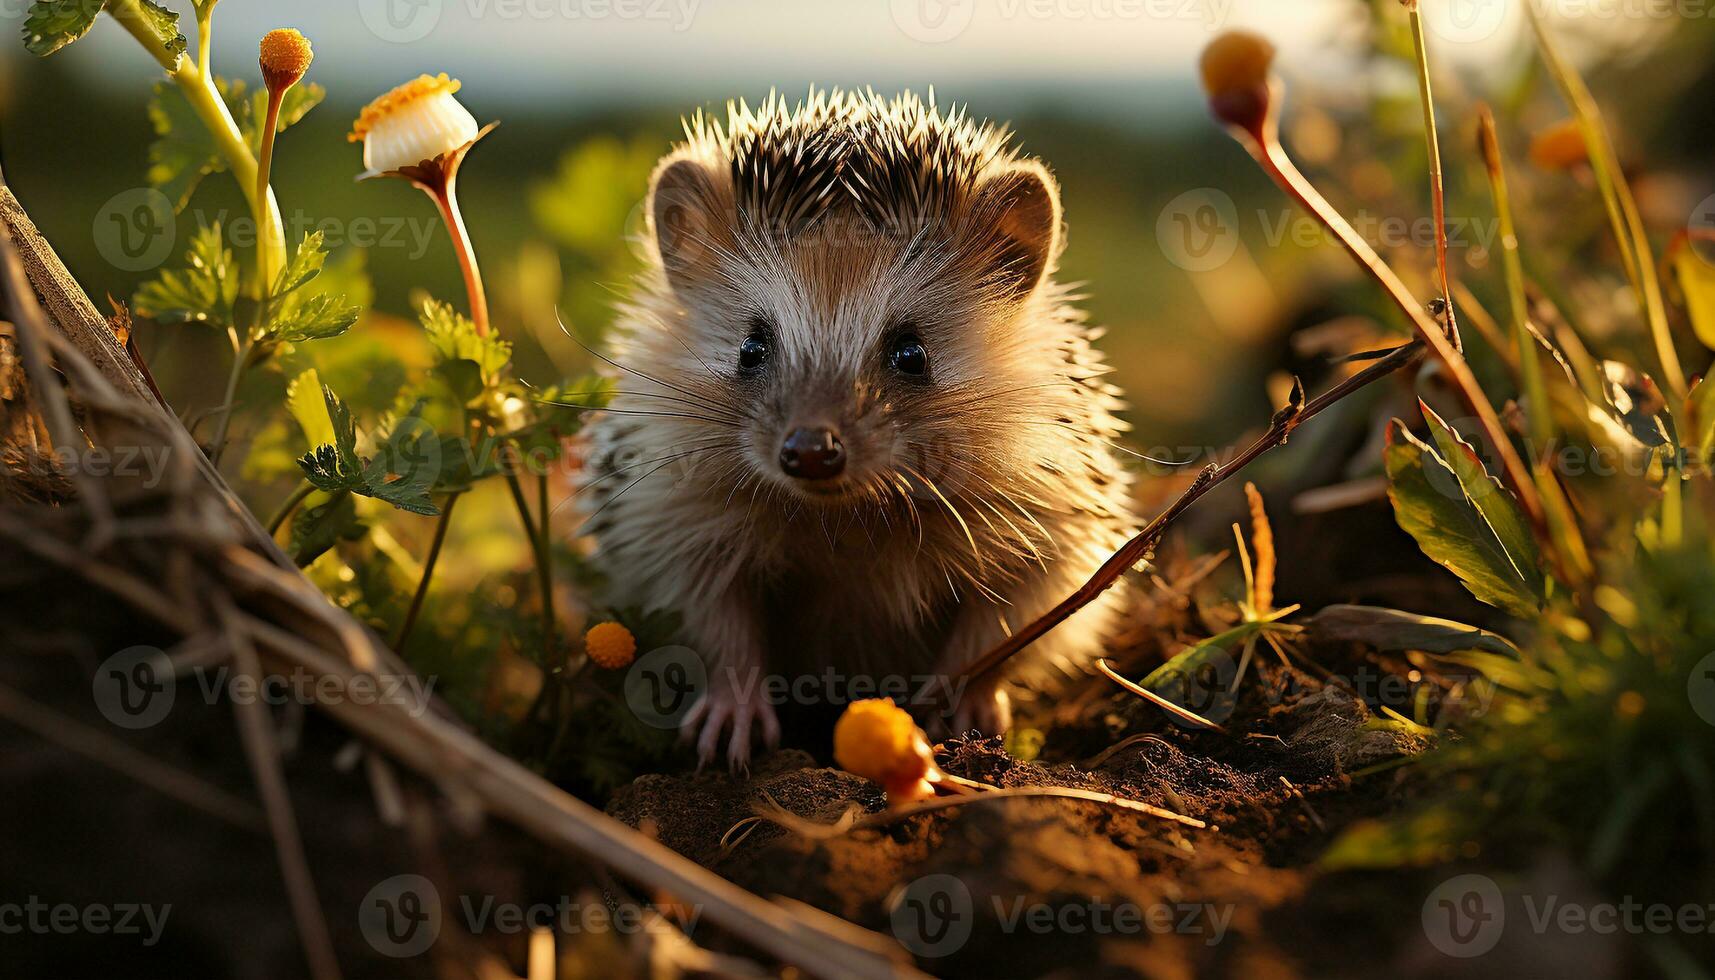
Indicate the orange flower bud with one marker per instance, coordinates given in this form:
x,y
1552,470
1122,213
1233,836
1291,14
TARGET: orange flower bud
x,y
877,739
1559,147
1235,69
285,57
610,646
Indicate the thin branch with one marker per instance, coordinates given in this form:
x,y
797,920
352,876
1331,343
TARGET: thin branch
x,y
256,731
1213,475
145,769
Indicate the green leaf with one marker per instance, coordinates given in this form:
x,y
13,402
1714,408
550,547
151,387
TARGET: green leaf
x,y
183,152
407,464
1498,506
305,403
1393,629
314,318
165,24
453,337
1697,288
1430,504
202,292
316,529
401,472
1200,677
335,465
53,24
1636,402
1702,422
1422,838
306,264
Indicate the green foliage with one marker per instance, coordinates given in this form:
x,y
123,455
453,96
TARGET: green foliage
x,y
53,24
184,152
165,24
400,474
311,318
317,528
1392,629
592,210
468,362
202,292
1607,755
1447,510
312,315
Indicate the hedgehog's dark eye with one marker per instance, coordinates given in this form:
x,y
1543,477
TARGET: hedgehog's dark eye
x,y
908,355
755,349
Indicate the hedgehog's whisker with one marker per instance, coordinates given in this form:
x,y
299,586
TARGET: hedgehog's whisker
x,y
656,469
627,369
729,423
694,403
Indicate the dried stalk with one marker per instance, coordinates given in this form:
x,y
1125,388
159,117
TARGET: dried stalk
x,y
1213,475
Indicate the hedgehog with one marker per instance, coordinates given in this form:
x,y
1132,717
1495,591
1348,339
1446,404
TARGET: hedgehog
x,y
858,429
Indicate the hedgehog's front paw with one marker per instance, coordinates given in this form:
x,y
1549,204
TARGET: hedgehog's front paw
x,y
726,706
984,707
980,706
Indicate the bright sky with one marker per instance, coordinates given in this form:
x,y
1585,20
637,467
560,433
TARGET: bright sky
x,y
575,53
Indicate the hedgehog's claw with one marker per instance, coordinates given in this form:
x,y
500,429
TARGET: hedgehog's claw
x,y
711,715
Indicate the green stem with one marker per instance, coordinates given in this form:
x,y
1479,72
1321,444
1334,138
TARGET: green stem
x,y
544,570
240,361
1622,209
205,32
428,573
1530,365
197,84
299,493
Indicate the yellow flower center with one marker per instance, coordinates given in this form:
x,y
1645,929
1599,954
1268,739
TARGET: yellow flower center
x,y
413,91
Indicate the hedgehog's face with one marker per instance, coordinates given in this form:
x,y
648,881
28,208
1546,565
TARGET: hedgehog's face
x,y
863,363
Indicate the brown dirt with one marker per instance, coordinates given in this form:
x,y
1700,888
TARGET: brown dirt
x,y
1049,880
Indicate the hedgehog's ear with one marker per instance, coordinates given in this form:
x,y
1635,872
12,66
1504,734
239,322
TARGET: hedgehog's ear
x,y
685,206
1019,209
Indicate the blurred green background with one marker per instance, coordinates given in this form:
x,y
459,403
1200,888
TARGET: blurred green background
x,y
1214,291
589,93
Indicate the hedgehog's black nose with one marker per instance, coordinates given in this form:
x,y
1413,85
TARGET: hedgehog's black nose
x,y
813,454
